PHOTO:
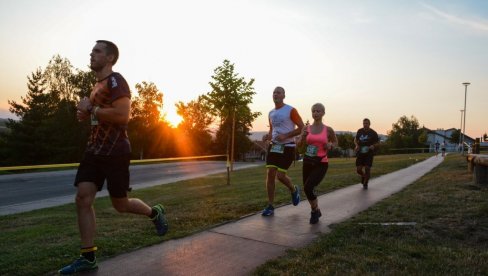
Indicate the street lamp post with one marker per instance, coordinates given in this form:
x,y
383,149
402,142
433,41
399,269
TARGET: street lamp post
x,y
464,123
460,128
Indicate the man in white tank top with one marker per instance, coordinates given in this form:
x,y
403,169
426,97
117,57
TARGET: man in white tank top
x,y
281,150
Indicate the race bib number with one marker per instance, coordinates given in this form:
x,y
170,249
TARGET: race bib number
x,y
364,149
94,120
277,148
311,151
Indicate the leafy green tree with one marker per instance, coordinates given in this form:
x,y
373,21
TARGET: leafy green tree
x,y
83,83
405,133
47,130
229,101
195,126
423,136
144,125
27,141
346,141
455,136
58,74
67,135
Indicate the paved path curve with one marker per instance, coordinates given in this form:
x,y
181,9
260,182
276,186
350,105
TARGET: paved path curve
x,y
238,247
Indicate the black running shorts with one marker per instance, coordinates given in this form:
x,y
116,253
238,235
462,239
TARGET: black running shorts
x,y
364,160
281,161
97,169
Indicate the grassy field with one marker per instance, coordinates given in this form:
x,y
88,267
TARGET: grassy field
x,y
448,234
40,242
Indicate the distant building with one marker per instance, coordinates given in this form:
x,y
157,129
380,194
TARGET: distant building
x,y
444,136
257,151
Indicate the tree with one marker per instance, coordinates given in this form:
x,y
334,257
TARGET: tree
x,y
47,130
423,136
346,141
196,114
59,74
83,82
67,135
195,126
26,142
145,119
405,133
455,136
485,137
229,101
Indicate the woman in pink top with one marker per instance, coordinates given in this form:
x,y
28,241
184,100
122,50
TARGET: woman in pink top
x,y
319,139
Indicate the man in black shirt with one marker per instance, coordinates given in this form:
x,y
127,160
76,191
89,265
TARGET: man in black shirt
x,y
107,155
366,142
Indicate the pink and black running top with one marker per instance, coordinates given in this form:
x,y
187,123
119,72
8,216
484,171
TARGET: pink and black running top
x,y
320,141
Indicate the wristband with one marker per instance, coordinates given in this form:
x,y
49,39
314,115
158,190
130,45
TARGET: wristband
x,y
95,111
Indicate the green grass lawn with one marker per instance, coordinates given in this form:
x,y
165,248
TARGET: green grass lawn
x,y
450,235
42,241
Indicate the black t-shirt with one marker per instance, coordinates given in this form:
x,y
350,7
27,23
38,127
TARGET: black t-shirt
x,y
365,139
106,138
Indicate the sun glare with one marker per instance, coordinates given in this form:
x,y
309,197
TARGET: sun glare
x,y
172,117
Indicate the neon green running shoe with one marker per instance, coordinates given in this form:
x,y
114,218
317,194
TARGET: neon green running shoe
x,y
160,220
79,265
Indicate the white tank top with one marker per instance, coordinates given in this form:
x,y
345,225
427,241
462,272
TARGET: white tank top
x,y
281,123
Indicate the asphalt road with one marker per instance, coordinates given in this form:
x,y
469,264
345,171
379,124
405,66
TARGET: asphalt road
x,y
29,191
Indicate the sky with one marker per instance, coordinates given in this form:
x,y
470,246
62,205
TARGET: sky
x,y
376,59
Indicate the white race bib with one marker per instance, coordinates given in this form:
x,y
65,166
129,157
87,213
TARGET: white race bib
x,y
311,151
364,149
277,148
94,120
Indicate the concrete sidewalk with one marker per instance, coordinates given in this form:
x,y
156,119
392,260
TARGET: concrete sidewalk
x,y
238,247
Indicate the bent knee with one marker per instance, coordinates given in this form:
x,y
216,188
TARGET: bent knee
x,y
309,192
120,208
84,200
120,205
281,176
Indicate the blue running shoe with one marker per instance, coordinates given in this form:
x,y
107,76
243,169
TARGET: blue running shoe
x,y
79,265
268,211
295,196
160,220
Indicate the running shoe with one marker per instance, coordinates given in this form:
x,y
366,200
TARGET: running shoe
x,y
268,211
365,183
160,220
79,265
295,196
314,216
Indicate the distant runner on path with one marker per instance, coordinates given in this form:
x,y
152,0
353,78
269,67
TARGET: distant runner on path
x,y
366,142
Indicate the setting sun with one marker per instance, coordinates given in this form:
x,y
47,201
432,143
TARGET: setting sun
x,y
171,116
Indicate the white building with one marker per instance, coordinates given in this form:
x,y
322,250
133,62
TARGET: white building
x,y
444,136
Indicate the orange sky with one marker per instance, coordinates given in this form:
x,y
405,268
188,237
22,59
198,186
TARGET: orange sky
x,y
380,59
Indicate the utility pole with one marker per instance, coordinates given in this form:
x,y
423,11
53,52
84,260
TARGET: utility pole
x,y
464,123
